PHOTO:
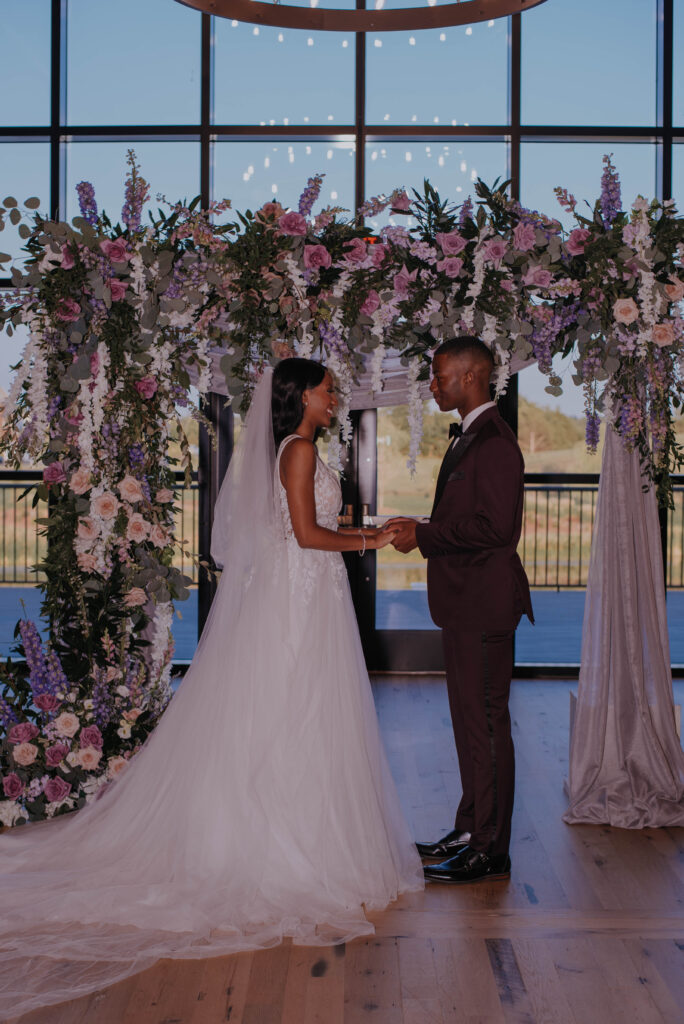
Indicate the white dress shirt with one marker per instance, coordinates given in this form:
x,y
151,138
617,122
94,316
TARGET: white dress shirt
x,y
471,417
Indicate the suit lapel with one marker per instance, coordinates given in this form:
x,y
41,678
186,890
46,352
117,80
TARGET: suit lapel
x,y
455,453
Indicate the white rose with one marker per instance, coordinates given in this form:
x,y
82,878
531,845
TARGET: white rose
x,y
66,725
73,758
11,812
115,766
124,730
89,758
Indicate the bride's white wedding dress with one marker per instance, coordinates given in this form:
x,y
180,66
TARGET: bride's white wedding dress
x,y
261,807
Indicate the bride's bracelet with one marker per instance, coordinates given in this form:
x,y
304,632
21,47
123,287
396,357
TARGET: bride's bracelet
x,y
362,552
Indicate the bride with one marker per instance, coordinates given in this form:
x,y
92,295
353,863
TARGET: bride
x,y
262,806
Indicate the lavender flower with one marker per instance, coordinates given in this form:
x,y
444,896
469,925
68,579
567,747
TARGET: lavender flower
x,y
330,336
101,698
593,428
86,201
7,715
35,659
466,213
136,456
137,193
54,405
610,202
310,194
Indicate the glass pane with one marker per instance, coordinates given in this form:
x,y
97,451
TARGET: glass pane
x,y
25,173
253,173
428,77
678,70
401,590
171,168
678,175
25,64
147,73
451,167
577,166
306,77
585,62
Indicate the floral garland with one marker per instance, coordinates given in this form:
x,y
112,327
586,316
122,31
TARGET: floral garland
x,y
124,318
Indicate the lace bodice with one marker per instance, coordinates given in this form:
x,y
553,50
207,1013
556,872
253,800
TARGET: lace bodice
x,y
305,564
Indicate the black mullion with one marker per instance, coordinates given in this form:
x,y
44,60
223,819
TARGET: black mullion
x,y
360,114
206,109
515,75
665,78
57,101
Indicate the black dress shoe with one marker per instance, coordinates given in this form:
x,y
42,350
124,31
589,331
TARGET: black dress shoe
x,y
447,846
469,866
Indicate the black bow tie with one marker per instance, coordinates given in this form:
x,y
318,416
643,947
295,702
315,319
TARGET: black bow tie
x,y
455,429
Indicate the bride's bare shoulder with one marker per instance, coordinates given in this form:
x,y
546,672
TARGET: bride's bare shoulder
x,y
297,457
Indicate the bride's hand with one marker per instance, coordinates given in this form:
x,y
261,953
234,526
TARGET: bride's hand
x,y
380,539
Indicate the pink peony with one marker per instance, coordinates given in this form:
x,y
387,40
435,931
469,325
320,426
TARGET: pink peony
x,y
54,473
577,240
495,250
401,202
105,505
159,536
87,529
146,387
536,276
80,481
135,597
12,786
523,237
163,496
86,561
129,489
68,310
663,335
316,256
25,754
117,289
56,754
371,304
47,702
402,280
89,758
22,732
91,737
625,311
358,251
378,253
56,790
116,250
66,725
292,223
451,266
137,529
451,243
67,258
675,290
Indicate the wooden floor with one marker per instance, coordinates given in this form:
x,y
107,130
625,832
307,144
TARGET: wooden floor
x,y
589,930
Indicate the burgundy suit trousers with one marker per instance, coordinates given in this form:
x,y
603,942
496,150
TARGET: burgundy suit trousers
x,y
479,667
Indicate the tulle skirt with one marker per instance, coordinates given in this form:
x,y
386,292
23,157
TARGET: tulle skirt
x,y
261,807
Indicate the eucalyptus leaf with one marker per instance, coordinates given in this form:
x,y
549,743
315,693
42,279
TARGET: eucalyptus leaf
x,y
24,231
32,203
9,201
14,216
4,257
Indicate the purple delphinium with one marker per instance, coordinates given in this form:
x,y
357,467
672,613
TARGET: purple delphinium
x,y
35,659
310,194
136,195
7,715
101,698
56,679
136,456
611,200
592,432
86,201
546,332
466,213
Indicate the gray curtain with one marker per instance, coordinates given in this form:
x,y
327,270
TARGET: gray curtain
x,y
626,762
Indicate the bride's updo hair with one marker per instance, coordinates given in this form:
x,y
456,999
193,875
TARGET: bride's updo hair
x,y
291,378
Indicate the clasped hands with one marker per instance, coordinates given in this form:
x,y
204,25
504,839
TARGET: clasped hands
x,y
404,539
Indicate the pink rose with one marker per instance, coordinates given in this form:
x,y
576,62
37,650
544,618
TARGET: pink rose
x,y
91,737
115,766
22,732
316,256
371,304
625,311
67,258
105,505
378,253
116,250
56,754
523,237
451,266
538,277
80,481
357,251
46,701
25,754
68,310
129,489
12,786
495,250
451,243
577,240
163,496
269,210
507,285
663,335
54,473
146,387
159,536
292,223
135,598
56,790
117,289
137,529
89,758
66,725
87,529
401,202
402,280
86,561
675,290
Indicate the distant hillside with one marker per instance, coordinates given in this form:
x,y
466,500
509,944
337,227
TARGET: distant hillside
x,y
543,430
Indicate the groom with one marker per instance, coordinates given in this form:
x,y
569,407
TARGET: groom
x,y
477,591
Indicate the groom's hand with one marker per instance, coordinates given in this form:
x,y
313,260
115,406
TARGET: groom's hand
x,y
405,539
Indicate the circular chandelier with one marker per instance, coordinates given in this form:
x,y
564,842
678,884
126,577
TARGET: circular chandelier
x,y
327,19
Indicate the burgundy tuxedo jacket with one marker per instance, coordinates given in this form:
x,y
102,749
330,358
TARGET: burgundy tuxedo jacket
x,y
475,577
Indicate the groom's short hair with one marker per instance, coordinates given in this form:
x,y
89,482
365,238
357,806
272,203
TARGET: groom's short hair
x,y
466,344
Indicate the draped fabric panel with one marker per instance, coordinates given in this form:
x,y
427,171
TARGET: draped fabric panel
x,y
626,762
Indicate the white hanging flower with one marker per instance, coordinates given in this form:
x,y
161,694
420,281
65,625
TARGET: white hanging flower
x,y
377,359
415,413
